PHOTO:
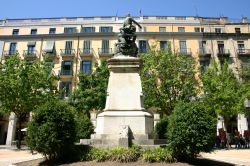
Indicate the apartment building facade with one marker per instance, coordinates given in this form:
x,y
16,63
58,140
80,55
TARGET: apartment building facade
x,y
73,44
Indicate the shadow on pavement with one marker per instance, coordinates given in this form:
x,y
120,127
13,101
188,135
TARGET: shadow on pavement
x,y
207,162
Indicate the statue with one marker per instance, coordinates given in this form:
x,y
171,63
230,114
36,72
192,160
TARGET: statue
x,y
126,38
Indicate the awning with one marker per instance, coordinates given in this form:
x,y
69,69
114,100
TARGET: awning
x,y
31,43
49,46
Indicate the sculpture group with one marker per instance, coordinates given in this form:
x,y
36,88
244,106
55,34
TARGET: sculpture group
x,y
126,38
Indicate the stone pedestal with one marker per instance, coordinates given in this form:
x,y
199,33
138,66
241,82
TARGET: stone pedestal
x,y
124,104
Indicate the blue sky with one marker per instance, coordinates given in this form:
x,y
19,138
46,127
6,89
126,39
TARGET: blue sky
x,y
234,9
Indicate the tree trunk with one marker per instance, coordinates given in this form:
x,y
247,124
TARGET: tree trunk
x,y
19,133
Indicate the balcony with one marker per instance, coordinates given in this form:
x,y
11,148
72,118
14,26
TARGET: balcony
x,y
49,55
30,54
185,51
223,53
105,52
66,73
204,54
86,52
67,53
243,52
9,53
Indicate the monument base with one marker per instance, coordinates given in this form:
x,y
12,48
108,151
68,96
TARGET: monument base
x,y
124,120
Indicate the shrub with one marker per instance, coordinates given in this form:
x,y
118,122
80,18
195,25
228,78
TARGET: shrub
x,y
161,128
84,127
158,155
191,130
121,154
97,154
51,131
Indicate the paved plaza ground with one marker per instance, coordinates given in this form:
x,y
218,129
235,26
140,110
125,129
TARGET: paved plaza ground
x,y
218,157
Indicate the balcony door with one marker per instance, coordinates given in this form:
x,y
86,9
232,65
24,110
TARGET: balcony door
x,y
105,46
142,46
183,47
86,46
12,48
68,47
202,47
221,47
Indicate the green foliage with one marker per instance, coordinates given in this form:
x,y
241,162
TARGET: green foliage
x,y
52,130
191,130
121,154
223,92
161,128
124,155
24,86
158,155
98,155
91,92
166,79
84,127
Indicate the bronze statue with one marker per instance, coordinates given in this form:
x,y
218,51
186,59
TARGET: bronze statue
x,y
126,38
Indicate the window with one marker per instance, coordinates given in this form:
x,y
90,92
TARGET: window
x,y
52,30
105,47
12,50
162,29
163,45
65,88
181,29
183,47
106,29
50,47
66,68
31,48
202,47
237,30
88,29
86,46
204,64
86,67
68,47
15,32
217,30
241,46
196,29
202,30
143,44
221,49
33,31
70,30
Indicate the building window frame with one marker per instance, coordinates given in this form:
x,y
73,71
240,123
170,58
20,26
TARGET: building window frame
x,y
86,66
15,32
52,31
33,31
162,29
181,29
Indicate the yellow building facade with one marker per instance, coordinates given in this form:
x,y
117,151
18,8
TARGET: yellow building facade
x,y
75,44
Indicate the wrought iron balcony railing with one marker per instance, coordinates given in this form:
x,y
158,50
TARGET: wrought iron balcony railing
x,y
67,52
66,72
107,51
86,51
243,51
185,51
10,52
31,53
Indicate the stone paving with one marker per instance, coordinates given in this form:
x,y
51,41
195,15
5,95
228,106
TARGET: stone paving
x,y
11,156
233,156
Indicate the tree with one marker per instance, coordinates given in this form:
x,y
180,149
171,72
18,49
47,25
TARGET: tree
x,y
52,130
23,87
223,91
166,79
191,130
92,90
